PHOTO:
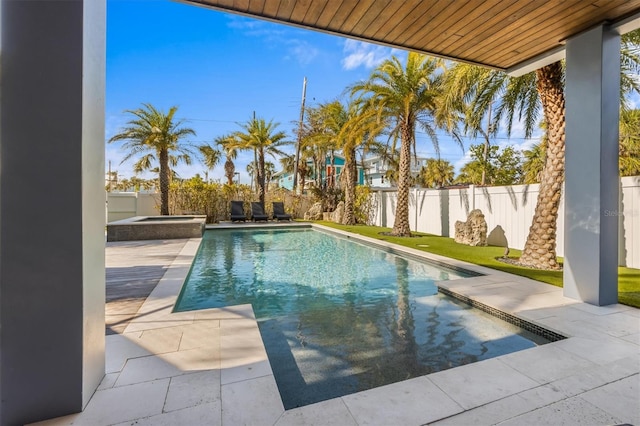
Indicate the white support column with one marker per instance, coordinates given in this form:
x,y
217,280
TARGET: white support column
x,y
52,282
591,177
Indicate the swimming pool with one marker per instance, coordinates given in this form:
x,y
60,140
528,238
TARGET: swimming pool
x,y
339,317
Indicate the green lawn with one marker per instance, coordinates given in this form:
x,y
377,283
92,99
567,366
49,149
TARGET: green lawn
x,y
628,278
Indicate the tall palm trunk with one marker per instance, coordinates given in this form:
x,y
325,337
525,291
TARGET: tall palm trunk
x,y
260,173
540,248
349,171
302,175
255,162
401,222
229,170
320,165
331,178
165,177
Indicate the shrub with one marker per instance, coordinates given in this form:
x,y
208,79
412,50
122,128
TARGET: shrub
x,y
364,205
194,196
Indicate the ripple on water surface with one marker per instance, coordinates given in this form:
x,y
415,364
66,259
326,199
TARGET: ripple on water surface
x,y
337,316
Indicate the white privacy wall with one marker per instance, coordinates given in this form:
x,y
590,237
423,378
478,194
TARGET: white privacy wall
x,y
508,211
629,230
123,205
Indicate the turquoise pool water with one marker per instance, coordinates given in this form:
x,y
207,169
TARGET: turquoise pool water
x,y
339,317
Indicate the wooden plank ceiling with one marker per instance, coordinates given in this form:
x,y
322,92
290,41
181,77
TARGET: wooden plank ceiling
x,y
496,33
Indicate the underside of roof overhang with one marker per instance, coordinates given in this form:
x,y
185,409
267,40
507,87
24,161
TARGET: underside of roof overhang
x,y
510,35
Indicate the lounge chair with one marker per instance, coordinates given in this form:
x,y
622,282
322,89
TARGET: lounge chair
x,y
278,211
257,212
237,211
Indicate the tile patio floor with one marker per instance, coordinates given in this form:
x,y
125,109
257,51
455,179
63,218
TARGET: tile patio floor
x,y
209,367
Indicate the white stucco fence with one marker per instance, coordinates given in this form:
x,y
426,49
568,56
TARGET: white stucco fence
x,y
123,205
508,211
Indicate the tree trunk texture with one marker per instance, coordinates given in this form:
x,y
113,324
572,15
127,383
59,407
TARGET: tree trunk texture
x,y
540,249
302,176
165,177
260,173
229,170
349,171
331,177
401,222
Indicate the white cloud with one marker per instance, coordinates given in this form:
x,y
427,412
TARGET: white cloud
x,y
274,36
301,51
359,53
633,100
462,161
242,23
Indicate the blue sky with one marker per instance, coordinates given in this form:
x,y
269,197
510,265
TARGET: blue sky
x,y
219,68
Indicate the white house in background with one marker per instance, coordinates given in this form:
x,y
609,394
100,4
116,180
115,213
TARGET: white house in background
x,y
375,170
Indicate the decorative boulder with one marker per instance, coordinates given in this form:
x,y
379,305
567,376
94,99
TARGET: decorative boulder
x,y
314,213
338,213
473,232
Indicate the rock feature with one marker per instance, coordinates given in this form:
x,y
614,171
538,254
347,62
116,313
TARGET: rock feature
x,y
338,213
473,232
314,213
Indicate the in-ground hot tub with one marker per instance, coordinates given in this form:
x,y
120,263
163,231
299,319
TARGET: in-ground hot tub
x,y
156,228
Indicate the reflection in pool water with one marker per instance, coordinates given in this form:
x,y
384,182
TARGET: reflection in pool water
x,y
338,317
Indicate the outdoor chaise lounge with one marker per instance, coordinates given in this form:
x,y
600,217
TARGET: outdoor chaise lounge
x,y
257,212
237,211
278,211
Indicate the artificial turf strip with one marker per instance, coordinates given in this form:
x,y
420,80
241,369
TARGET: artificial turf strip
x,y
628,278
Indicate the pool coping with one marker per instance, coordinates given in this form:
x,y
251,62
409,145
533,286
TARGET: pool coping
x,y
156,227
599,357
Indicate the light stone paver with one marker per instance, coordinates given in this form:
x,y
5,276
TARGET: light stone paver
x,y
203,414
145,369
492,413
411,402
119,349
190,390
632,338
108,381
572,411
117,405
616,397
598,353
546,363
251,402
482,382
325,413
210,366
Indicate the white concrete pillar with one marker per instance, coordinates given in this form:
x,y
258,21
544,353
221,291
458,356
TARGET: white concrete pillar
x,y
52,277
591,177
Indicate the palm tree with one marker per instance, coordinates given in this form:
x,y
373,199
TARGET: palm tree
x,y
265,139
329,119
358,130
319,138
534,159
470,173
407,96
630,142
333,126
436,173
269,171
252,167
542,90
526,94
629,149
230,152
287,162
160,135
210,156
